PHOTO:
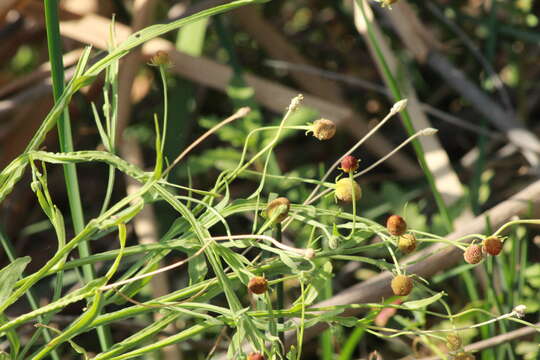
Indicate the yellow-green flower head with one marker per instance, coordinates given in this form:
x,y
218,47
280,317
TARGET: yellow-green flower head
x,y
344,190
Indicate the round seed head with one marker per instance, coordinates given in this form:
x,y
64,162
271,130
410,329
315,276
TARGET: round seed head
x,y
344,190
255,356
407,243
453,342
473,254
278,209
402,285
258,285
492,245
464,356
396,225
323,129
349,164
161,58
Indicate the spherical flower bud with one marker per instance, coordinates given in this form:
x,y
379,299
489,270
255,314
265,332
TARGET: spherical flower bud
x,y
344,190
401,285
161,58
396,225
464,356
473,254
349,164
407,243
492,245
453,342
255,356
258,285
278,209
323,129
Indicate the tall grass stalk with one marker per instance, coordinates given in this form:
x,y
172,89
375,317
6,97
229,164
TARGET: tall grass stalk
x,y
406,118
66,145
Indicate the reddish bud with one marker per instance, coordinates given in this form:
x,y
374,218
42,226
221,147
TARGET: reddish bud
x,y
258,285
255,356
396,225
492,245
349,164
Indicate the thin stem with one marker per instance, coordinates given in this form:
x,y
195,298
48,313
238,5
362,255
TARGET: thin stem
x,y
406,119
66,145
280,292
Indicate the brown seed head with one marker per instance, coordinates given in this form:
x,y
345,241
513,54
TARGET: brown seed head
x,y
161,58
396,225
464,356
344,190
453,342
278,209
493,245
255,356
402,285
349,164
407,243
473,254
323,129
258,285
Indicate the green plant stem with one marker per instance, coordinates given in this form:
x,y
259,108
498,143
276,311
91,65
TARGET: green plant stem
x,y
280,292
66,145
406,119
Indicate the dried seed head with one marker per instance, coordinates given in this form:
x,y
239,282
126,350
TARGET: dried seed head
x,y
323,129
396,225
520,310
161,58
255,356
473,254
349,164
258,285
344,190
464,356
453,342
407,243
278,209
492,245
402,285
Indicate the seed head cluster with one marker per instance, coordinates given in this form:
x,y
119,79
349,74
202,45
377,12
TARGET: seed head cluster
x,y
344,190
492,245
396,225
464,356
453,342
258,285
401,285
473,254
407,243
323,129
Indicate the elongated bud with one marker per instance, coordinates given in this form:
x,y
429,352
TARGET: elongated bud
x,y
296,102
399,106
278,209
428,132
258,285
